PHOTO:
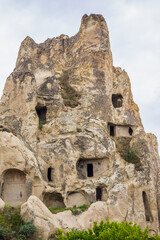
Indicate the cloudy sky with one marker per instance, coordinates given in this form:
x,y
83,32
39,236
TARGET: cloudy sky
x,y
134,27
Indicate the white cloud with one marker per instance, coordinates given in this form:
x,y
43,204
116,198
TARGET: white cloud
x,y
134,32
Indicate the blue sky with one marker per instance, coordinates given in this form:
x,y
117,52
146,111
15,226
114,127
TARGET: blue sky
x,y
134,35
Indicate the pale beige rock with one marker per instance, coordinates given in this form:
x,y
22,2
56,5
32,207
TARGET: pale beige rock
x,y
44,220
2,204
48,223
67,124
18,166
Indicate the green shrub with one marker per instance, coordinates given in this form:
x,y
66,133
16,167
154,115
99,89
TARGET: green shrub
x,y
4,232
10,218
41,124
21,237
27,229
108,231
130,156
11,223
52,237
69,94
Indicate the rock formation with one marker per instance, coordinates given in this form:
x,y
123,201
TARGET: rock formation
x,y
47,223
70,132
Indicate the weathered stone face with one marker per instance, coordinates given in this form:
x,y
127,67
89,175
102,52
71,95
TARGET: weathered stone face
x,y
69,123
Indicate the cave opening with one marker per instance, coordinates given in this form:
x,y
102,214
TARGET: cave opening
x,y
130,131
41,112
117,100
54,200
148,214
49,174
98,194
90,170
112,130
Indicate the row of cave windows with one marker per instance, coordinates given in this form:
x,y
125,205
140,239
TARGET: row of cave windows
x,y
147,211
14,176
117,101
41,112
148,214
89,172
99,192
99,197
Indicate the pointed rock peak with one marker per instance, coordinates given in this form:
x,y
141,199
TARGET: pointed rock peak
x,y
92,17
93,20
26,50
94,33
28,39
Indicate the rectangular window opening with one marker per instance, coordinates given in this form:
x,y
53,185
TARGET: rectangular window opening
x,y
90,170
112,130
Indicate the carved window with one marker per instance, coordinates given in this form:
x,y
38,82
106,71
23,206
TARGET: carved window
x,y
130,131
117,100
98,194
49,174
112,130
90,170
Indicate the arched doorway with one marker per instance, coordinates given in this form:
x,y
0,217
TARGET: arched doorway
x,y
77,199
54,200
14,191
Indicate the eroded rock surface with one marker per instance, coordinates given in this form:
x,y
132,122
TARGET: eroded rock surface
x,y
70,132
47,223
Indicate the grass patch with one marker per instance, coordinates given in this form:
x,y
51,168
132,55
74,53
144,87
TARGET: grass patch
x,y
131,157
69,94
75,210
123,147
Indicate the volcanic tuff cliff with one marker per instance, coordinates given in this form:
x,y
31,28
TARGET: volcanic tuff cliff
x,y
70,132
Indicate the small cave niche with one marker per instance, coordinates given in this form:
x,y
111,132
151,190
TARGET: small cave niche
x,y
89,170
148,214
130,130
49,174
41,112
54,200
98,194
117,100
61,170
76,198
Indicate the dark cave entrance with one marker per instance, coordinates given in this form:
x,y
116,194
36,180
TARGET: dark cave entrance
x,y
148,214
49,174
130,131
112,130
98,194
117,100
41,112
90,170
